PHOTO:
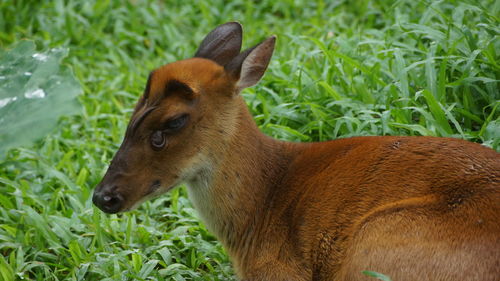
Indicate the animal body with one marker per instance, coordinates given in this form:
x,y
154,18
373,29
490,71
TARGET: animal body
x,y
412,208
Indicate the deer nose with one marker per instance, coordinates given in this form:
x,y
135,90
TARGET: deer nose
x,y
108,201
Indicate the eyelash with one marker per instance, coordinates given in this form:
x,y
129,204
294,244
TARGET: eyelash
x,y
176,123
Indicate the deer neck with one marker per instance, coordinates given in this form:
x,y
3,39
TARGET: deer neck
x,y
230,192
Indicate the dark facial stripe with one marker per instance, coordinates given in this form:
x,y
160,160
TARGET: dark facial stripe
x,y
148,85
176,86
171,87
137,121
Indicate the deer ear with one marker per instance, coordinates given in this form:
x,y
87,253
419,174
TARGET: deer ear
x,y
249,66
222,44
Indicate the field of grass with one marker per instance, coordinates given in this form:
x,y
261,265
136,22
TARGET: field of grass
x,y
340,69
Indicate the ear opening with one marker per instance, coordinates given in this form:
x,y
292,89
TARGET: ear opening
x,y
222,44
249,66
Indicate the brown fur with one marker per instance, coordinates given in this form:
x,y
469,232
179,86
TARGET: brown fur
x,y
413,208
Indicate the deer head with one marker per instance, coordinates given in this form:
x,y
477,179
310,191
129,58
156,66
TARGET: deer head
x,y
184,119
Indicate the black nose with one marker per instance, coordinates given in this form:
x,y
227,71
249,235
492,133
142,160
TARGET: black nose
x,y
109,202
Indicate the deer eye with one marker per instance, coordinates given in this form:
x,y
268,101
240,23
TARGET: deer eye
x,y
158,140
176,123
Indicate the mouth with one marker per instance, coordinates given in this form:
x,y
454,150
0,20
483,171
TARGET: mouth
x,y
153,188
154,191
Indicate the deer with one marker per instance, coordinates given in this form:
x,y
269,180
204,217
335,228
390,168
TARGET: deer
x,y
408,207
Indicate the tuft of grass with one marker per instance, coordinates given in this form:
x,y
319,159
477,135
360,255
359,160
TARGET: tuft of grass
x,y
341,68
376,275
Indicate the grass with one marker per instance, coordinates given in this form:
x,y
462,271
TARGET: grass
x,y
341,68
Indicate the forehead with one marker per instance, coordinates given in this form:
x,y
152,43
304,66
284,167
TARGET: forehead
x,y
197,73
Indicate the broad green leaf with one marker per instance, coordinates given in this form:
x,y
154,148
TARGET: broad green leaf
x,y
35,90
